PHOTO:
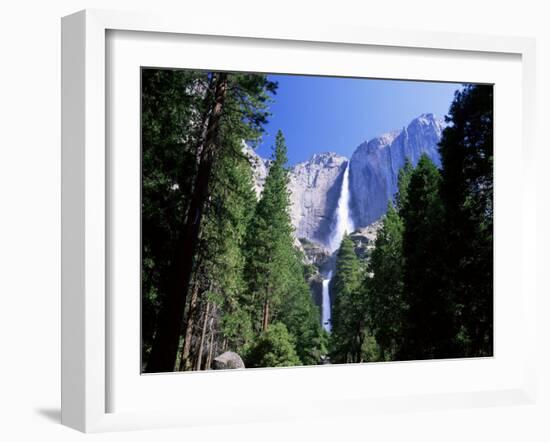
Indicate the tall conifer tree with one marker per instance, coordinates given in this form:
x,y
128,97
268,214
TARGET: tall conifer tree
x,y
348,320
277,288
233,104
429,331
467,192
270,241
386,305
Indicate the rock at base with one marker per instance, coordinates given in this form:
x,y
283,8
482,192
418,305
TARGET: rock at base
x,y
228,360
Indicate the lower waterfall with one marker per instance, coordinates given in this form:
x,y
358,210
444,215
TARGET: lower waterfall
x,y
326,310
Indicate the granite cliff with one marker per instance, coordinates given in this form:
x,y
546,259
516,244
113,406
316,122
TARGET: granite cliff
x,y
375,165
315,185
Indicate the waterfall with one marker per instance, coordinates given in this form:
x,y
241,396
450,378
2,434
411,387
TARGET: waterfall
x,y
326,314
343,223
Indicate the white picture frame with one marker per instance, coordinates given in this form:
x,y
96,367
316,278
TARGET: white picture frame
x,y
86,202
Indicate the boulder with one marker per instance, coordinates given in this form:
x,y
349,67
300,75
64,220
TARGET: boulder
x,y
228,360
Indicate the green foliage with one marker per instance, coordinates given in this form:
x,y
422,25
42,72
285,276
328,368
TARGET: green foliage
x,y
274,348
277,286
176,108
231,206
226,220
269,245
349,329
171,105
403,181
346,276
301,316
431,293
370,350
237,327
246,109
429,329
384,290
467,192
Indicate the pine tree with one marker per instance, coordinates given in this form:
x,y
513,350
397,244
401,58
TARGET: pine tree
x,y
274,348
233,105
403,181
172,101
467,192
429,331
166,342
274,271
386,305
269,242
218,277
348,318
301,316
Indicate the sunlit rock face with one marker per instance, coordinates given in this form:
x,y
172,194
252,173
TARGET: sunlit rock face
x,y
314,192
260,168
375,165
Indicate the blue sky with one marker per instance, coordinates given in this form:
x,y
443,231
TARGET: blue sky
x,y
330,114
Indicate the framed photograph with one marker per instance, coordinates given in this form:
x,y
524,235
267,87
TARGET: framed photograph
x,y
292,223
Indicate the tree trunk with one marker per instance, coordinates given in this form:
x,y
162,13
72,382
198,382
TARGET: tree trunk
x,y
210,347
360,341
165,344
185,363
265,319
203,334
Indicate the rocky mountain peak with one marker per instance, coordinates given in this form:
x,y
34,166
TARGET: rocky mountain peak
x,y
315,185
325,158
375,165
378,143
427,119
427,124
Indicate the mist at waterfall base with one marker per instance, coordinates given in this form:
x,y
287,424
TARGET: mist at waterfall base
x,y
342,225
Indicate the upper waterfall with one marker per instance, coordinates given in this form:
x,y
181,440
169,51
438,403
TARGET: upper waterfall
x,y
343,223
